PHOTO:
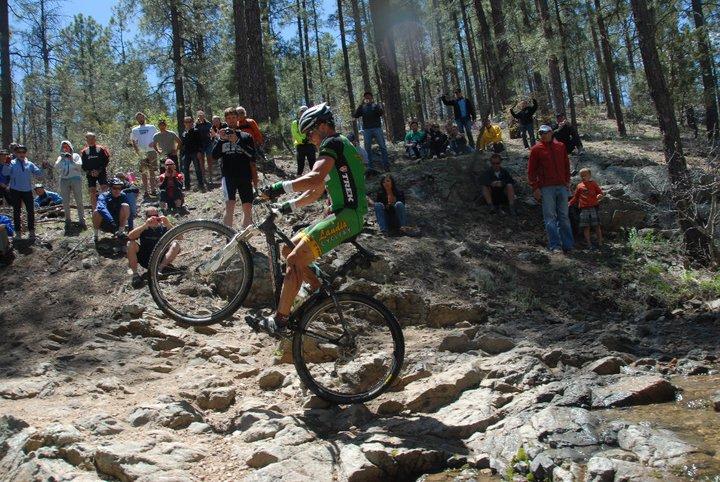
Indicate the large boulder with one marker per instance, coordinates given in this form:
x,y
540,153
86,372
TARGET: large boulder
x,y
634,390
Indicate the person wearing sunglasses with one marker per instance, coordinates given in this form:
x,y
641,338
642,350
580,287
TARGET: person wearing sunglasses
x,y
112,211
20,172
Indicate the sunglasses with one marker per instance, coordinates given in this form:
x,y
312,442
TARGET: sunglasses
x,y
116,188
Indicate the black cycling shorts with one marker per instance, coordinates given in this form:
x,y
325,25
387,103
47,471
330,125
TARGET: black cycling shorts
x,y
100,179
143,256
232,185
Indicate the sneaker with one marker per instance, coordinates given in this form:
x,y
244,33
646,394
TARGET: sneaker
x,y
136,281
120,235
271,325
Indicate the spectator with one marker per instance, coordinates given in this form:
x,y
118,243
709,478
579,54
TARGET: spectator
x,y
437,142
44,198
457,142
549,177
112,211
142,137
371,114
206,141
363,153
239,173
142,241
691,120
304,149
566,133
249,126
6,231
69,166
525,118
498,186
490,137
389,206
587,196
463,111
171,185
20,172
95,159
131,191
192,153
5,180
414,140
167,144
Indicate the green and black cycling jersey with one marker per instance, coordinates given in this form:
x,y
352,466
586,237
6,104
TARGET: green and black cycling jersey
x,y
345,184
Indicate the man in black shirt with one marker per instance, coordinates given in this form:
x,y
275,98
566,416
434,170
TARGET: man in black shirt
x,y
142,241
498,186
371,114
192,151
95,159
239,173
525,119
567,134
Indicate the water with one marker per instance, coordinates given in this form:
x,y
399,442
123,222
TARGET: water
x,y
691,417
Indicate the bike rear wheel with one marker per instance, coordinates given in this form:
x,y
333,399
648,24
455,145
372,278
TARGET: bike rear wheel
x,y
352,362
209,277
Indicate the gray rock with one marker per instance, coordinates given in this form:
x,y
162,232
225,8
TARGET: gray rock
x,y
610,365
634,390
494,343
440,389
600,469
101,424
655,447
270,379
146,461
716,401
54,435
542,466
25,388
172,414
261,458
472,412
457,342
356,467
216,398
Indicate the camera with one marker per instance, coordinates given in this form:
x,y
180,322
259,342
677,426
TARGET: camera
x,y
228,131
67,155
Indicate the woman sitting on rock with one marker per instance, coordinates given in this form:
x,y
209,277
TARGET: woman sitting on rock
x,y
389,206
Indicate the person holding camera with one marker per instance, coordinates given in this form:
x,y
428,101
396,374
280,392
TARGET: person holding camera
x,y
20,172
69,166
95,159
171,184
142,241
236,150
371,113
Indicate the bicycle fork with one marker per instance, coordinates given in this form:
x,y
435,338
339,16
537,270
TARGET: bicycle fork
x,y
225,254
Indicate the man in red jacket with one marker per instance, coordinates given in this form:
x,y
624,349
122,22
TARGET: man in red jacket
x,y
549,177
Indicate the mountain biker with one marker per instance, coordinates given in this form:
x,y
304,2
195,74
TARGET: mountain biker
x,y
340,171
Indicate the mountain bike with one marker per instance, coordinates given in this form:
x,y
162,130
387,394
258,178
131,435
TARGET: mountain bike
x,y
346,347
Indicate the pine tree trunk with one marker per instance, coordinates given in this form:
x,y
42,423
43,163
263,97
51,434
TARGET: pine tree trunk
x,y
257,86
241,59
303,56
566,67
346,63
699,247
308,62
602,72
321,71
272,93
47,94
360,41
463,60
610,68
5,76
489,56
441,48
176,27
706,69
387,61
504,70
629,47
558,98
470,39
592,98
539,87
417,95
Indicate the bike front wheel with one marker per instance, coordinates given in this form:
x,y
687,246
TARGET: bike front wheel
x,y
350,352
199,273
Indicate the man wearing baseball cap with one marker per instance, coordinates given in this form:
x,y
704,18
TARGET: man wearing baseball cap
x,y
112,211
171,185
549,176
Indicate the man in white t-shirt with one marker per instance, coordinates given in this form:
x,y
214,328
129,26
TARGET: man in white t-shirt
x,y
142,140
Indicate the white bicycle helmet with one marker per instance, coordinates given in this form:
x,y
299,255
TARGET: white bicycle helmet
x,y
314,115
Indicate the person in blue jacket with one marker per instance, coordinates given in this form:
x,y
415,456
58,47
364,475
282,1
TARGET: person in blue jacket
x,y
21,172
46,198
112,211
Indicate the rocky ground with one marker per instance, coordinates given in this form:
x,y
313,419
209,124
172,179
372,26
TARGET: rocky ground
x,y
517,361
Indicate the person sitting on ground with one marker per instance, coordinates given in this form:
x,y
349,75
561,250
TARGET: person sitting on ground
x,y
490,137
361,150
566,133
69,165
389,206
112,211
246,124
171,184
131,191
6,232
525,118
142,241
587,196
44,198
457,142
498,186
436,141
413,140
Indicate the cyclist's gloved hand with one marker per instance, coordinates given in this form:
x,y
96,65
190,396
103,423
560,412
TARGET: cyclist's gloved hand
x,y
273,191
284,208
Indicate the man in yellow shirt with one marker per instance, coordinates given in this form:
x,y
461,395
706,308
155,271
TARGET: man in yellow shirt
x,y
490,137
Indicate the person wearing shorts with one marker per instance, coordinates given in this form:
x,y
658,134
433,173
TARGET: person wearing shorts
x,y
587,196
236,152
95,159
142,141
340,172
142,241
